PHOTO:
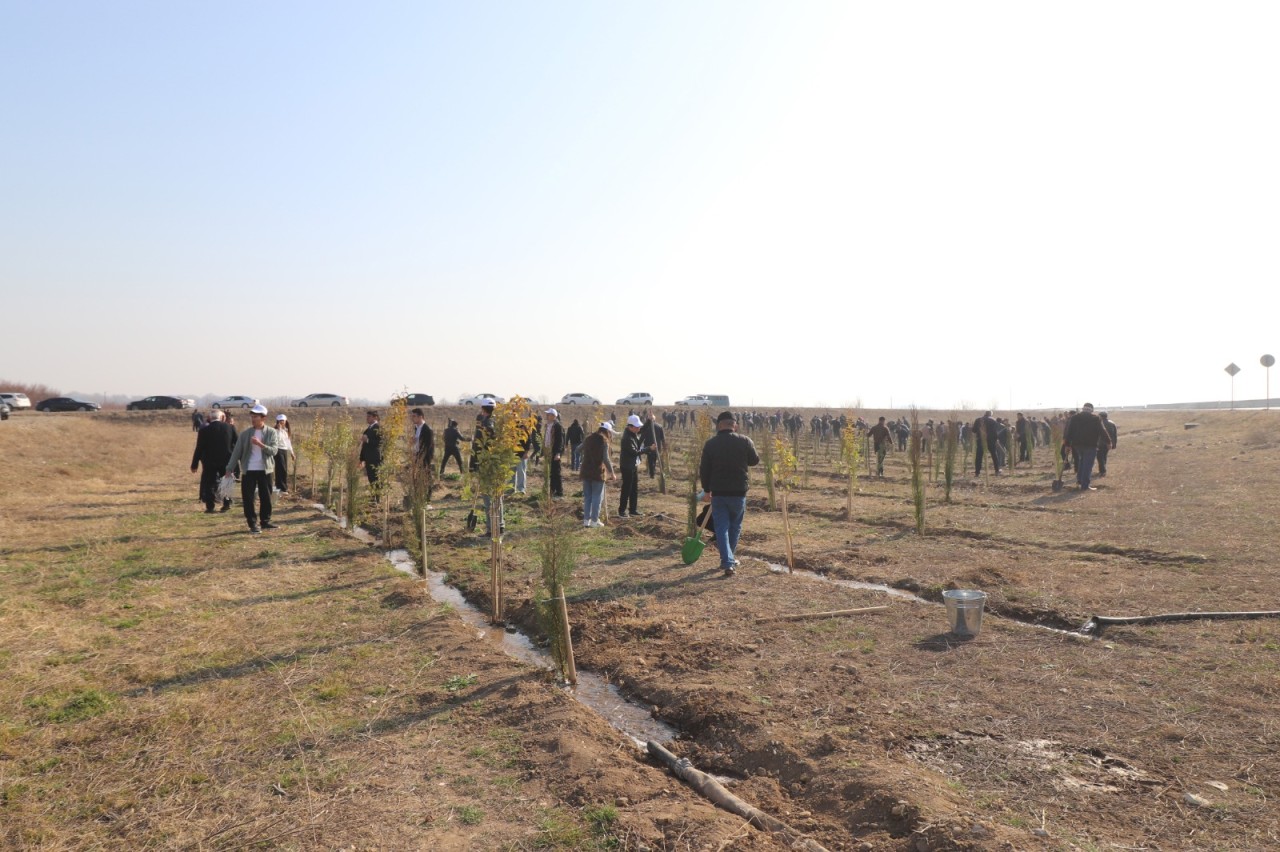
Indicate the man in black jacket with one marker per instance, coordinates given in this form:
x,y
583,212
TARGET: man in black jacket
x,y
986,433
452,446
1106,444
214,443
553,448
1084,434
371,447
576,436
723,472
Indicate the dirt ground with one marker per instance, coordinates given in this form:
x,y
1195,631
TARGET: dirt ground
x,y
172,682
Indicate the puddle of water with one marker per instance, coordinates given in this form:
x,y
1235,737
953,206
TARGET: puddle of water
x,y
902,595
591,690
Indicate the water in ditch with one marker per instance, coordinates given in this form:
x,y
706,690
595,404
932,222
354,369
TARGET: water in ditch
x,y
591,690
901,595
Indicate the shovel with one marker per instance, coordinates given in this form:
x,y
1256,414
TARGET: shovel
x,y
693,546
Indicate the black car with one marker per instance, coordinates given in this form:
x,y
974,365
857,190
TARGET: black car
x,y
156,403
66,403
415,399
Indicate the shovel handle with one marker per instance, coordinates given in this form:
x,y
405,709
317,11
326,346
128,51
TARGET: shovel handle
x,y
702,526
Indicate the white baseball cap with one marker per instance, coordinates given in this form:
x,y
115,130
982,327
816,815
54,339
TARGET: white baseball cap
x,y
552,412
280,417
258,409
608,426
634,420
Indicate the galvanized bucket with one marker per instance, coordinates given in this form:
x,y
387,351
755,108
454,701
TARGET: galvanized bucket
x,y
964,611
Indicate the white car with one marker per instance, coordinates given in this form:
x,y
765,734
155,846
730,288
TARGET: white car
x,y
638,398
579,399
15,400
327,400
481,399
236,402
696,399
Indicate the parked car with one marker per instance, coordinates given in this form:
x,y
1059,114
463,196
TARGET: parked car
x,y
705,399
66,403
158,403
637,398
236,402
15,400
415,399
579,399
480,398
4,411
326,400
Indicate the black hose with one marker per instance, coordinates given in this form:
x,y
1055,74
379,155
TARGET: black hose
x,y
1098,623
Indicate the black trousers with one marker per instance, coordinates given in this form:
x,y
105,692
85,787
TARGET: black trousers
x,y
259,480
1103,449
630,490
371,473
209,476
992,451
282,470
454,453
557,485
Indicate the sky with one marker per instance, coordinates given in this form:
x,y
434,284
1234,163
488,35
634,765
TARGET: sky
x,y
1008,205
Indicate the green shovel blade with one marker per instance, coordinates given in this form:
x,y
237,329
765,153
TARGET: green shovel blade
x,y
691,550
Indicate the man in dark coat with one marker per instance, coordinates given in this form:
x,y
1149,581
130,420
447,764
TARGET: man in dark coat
x,y
452,446
371,447
424,439
214,443
653,435
986,434
629,466
723,473
1083,434
575,436
1106,444
553,448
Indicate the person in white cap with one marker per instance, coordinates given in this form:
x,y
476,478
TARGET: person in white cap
x,y
255,454
595,466
285,435
553,446
629,462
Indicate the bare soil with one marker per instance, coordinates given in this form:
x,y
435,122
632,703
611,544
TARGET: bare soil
x,y
174,682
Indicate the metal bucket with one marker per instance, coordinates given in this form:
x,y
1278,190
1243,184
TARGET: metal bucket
x,y
964,611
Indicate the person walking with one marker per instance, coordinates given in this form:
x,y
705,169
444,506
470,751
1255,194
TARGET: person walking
x,y
881,441
214,443
452,447
198,421
1107,444
629,463
254,454
726,456
371,447
575,436
286,455
1083,434
594,469
553,444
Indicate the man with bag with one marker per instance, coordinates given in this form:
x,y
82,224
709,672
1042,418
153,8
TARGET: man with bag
x,y
214,443
255,453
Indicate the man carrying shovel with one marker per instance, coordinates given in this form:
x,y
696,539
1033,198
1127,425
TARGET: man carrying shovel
x,y
725,459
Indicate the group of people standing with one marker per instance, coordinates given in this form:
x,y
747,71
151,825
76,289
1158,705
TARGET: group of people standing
x,y
258,457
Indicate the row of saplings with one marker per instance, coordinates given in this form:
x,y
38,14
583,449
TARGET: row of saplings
x,y
331,447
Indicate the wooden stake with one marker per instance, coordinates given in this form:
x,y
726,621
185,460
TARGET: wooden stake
x,y
570,668
803,616
786,526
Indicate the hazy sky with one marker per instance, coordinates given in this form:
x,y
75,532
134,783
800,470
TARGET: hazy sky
x,y
1012,204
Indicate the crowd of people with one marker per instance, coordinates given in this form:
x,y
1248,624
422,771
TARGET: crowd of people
x,y
259,457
